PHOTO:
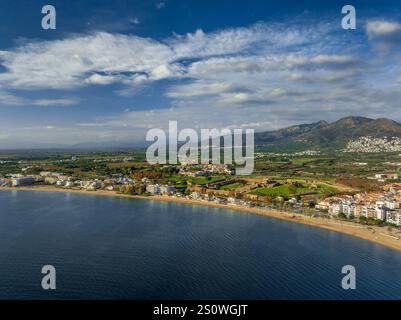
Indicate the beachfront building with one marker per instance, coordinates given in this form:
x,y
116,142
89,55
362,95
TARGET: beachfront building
x,y
335,208
5,182
196,196
25,181
368,211
167,189
60,183
219,200
381,213
323,205
153,188
235,201
94,185
69,184
349,210
394,217
51,180
346,208
392,204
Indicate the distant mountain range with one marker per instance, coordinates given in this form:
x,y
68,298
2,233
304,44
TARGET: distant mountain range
x,y
317,135
322,134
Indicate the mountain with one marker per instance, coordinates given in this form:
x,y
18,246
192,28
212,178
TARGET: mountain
x,y
288,133
328,135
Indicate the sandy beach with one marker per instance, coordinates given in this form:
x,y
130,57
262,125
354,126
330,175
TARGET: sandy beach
x,y
375,234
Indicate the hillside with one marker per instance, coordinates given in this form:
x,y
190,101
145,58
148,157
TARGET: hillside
x,y
328,135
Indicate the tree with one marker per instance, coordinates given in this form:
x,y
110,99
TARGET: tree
x,y
341,215
292,189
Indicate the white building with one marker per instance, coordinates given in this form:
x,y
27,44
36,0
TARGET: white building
x,y
349,210
394,216
381,213
219,200
346,207
368,211
166,189
196,196
60,183
235,201
69,184
153,188
335,208
392,204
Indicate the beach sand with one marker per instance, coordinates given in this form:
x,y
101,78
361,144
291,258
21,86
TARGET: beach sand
x,y
375,234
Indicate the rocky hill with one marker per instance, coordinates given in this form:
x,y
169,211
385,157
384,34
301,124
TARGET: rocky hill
x,y
329,135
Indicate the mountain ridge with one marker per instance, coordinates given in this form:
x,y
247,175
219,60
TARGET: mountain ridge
x,y
323,134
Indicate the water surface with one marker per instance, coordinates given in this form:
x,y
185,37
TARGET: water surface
x,y
106,247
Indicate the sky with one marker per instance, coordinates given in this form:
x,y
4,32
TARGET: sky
x,y
112,70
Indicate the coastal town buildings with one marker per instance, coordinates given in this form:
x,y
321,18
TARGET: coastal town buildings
x,y
384,206
199,170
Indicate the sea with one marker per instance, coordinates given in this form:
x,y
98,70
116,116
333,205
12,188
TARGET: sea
x,y
117,248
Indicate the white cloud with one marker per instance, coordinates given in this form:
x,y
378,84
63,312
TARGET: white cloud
x,y
238,64
165,71
67,63
54,102
103,58
197,89
385,35
380,28
321,61
102,80
264,37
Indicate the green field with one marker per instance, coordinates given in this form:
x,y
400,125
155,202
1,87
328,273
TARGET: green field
x,y
288,190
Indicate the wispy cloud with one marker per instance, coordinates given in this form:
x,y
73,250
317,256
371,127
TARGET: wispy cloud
x,y
54,102
160,5
385,34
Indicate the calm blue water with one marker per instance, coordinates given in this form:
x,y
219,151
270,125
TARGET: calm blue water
x,y
104,247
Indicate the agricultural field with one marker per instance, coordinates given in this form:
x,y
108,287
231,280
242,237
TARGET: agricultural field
x,y
288,190
233,186
329,166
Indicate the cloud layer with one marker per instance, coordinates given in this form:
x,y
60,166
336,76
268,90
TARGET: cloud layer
x,y
263,76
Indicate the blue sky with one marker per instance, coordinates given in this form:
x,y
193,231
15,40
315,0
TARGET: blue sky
x,y
114,69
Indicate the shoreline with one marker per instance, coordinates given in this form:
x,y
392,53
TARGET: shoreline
x,y
373,234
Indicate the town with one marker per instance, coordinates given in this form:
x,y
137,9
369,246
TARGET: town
x,y
369,197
